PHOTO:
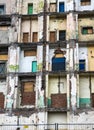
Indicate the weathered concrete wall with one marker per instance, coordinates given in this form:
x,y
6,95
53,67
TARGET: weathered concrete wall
x,y
82,117
54,88
72,26
57,25
57,118
85,22
83,55
29,27
84,91
25,64
87,7
37,6
4,37
9,8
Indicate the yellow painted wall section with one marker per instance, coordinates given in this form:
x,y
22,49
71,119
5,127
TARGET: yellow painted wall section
x,y
85,22
91,58
3,57
57,24
53,85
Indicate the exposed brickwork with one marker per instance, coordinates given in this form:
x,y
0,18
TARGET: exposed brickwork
x,y
28,98
2,98
59,100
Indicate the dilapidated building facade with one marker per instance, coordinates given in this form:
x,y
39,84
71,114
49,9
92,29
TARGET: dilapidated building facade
x,y
46,62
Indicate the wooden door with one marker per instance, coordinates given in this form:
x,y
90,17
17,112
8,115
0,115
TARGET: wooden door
x,y
52,37
25,37
35,37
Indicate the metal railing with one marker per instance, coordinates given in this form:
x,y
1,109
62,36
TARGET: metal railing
x,y
55,126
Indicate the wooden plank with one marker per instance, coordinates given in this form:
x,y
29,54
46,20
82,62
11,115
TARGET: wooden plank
x,y
4,57
28,87
35,37
29,53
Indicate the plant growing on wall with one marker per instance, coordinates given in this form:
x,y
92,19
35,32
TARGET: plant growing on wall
x,y
40,6
14,67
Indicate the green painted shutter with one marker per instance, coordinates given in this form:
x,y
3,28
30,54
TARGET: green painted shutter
x,y
34,66
30,8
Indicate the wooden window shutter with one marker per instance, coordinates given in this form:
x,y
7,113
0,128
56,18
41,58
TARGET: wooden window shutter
x,y
28,87
29,53
52,36
35,37
25,37
4,57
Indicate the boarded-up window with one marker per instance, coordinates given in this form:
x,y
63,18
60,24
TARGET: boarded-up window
x,y
4,57
28,87
52,7
59,100
2,98
35,37
25,37
28,94
85,2
52,37
29,53
87,30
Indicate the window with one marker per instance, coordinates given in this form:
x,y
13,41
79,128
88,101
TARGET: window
x,y
35,37
87,30
30,8
30,53
2,9
62,35
25,37
85,2
2,68
52,7
61,7
82,65
28,93
52,36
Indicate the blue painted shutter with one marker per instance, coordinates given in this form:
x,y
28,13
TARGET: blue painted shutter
x,y
61,7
